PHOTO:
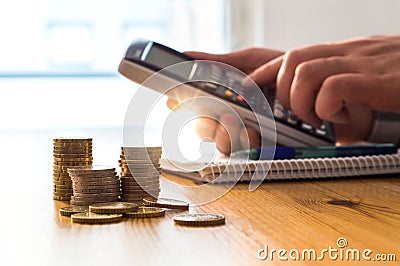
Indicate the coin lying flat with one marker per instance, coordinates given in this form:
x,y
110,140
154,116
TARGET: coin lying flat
x,y
199,219
114,207
167,203
68,211
146,212
95,218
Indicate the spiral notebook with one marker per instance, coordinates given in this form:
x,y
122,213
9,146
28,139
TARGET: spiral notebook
x,y
228,170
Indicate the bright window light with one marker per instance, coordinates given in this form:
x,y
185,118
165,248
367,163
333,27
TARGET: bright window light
x,y
90,36
59,59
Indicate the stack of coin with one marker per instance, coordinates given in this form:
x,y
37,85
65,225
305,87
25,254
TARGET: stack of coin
x,y
94,184
68,152
140,173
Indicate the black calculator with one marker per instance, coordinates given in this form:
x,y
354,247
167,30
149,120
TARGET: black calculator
x,y
143,58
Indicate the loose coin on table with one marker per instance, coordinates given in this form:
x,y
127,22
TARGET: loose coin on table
x,y
199,219
146,212
95,218
166,203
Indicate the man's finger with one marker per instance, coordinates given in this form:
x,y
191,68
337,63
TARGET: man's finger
x,y
249,138
171,103
205,127
307,81
265,74
292,59
227,133
376,93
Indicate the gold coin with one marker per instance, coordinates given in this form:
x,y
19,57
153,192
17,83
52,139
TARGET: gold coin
x,y
74,159
62,182
59,176
72,164
62,190
69,146
143,172
139,186
68,150
94,175
63,194
147,159
95,218
113,207
146,212
144,161
96,185
87,191
72,146
87,202
68,211
133,148
141,181
63,186
62,168
167,203
199,219
72,139
82,196
73,155
140,176
91,169
61,198
137,200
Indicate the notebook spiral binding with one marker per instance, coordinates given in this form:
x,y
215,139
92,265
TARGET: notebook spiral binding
x,y
303,168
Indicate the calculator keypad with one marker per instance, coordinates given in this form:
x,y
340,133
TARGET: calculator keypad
x,y
233,92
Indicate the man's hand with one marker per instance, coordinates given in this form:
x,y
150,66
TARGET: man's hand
x,y
339,82
226,130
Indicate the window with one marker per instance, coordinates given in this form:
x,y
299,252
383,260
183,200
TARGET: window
x,y
89,37
59,59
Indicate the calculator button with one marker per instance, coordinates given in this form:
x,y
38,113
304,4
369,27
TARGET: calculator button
x,y
278,105
306,127
228,93
234,76
279,114
239,98
320,132
292,118
211,86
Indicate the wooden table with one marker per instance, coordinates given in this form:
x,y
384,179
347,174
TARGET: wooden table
x,y
300,216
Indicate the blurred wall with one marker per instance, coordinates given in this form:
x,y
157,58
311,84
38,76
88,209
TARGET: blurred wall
x,y
293,23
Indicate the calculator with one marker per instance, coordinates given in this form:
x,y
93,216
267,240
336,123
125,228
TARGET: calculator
x,y
143,58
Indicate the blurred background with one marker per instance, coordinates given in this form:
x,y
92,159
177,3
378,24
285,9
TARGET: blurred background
x,y
59,59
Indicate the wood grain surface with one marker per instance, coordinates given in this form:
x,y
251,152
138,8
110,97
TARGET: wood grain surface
x,y
282,215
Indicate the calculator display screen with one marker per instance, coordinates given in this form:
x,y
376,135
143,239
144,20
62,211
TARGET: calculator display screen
x,y
161,58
